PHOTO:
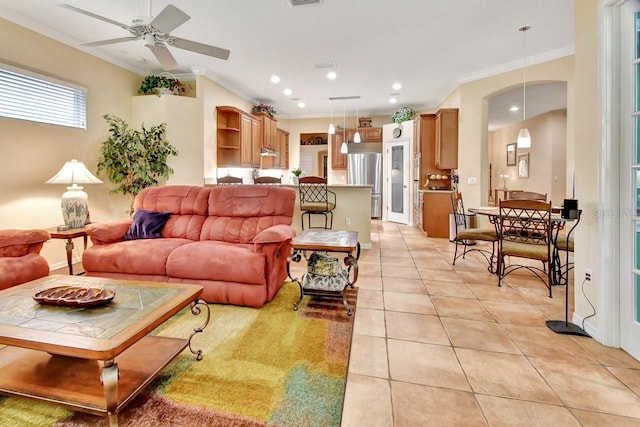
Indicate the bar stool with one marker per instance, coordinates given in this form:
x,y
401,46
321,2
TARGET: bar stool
x,y
316,199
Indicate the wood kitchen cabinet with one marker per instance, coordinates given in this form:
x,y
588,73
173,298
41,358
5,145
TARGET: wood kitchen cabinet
x,y
228,134
436,210
238,142
366,134
446,138
282,161
338,160
268,130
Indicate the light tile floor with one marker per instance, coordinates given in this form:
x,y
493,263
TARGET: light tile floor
x,y
442,345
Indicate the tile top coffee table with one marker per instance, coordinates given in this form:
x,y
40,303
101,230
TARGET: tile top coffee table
x,y
63,354
326,284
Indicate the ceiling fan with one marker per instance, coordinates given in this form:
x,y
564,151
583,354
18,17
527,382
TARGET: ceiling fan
x,y
155,33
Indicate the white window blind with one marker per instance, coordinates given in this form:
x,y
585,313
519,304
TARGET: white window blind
x,y
26,95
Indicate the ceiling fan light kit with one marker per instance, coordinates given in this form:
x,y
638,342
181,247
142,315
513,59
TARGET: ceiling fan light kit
x,y
156,35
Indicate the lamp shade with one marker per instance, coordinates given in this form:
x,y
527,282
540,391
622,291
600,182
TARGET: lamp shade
x,y
74,172
75,204
332,129
524,138
343,148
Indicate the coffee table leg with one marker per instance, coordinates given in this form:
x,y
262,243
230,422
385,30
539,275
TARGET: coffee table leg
x,y
195,310
109,378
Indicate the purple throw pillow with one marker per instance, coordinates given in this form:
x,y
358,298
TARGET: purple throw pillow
x,y
146,225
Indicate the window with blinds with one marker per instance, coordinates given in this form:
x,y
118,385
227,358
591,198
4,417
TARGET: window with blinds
x,y
25,95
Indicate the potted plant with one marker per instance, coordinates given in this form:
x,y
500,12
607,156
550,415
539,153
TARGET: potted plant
x,y
296,173
160,84
134,159
264,108
402,114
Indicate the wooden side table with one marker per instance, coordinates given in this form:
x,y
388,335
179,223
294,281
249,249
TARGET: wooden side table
x,y
68,236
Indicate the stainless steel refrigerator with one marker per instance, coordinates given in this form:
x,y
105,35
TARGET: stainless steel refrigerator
x,y
366,169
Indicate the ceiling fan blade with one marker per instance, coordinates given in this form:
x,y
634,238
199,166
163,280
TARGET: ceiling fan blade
x,y
164,57
110,41
169,19
205,49
93,15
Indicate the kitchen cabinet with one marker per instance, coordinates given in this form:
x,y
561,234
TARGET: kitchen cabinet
x,y
268,131
366,134
436,210
282,161
237,138
338,160
446,138
229,127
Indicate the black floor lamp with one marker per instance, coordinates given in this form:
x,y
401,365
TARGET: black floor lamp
x,y
571,212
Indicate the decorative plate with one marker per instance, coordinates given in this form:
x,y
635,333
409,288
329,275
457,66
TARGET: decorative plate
x,y
73,296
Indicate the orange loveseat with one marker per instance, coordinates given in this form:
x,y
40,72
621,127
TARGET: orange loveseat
x,y
20,259
232,240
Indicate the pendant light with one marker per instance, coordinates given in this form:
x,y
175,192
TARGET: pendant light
x,y
524,137
332,128
356,136
343,148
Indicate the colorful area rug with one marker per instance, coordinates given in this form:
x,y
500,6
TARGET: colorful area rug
x,y
261,367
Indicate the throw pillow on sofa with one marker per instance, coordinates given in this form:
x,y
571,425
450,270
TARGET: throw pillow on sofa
x,y
147,225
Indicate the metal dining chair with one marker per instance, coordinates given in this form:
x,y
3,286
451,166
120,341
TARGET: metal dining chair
x,y
466,235
525,231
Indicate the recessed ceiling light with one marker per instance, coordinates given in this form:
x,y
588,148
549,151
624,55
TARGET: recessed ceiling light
x,y
275,79
514,108
301,104
331,75
393,100
287,91
397,86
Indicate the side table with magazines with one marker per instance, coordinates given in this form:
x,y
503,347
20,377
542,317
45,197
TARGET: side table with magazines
x,y
326,276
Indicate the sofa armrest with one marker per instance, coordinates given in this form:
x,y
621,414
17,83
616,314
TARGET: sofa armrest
x,y
17,243
275,234
22,237
108,232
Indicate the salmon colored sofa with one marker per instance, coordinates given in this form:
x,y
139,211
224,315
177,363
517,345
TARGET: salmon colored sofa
x,y
233,240
20,259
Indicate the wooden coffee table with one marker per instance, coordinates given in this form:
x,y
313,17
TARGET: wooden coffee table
x,y
94,360
324,240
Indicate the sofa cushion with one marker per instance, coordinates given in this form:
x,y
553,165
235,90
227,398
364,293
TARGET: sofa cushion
x,y
211,260
146,225
237,213
145,256
187,204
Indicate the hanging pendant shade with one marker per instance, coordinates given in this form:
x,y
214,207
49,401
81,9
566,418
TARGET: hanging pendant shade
x,y
332,128
356,136
524,137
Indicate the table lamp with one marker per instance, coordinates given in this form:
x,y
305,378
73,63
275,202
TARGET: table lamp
x,y
75,205
504,177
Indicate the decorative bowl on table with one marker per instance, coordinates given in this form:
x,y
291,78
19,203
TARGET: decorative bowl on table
x,y
74,296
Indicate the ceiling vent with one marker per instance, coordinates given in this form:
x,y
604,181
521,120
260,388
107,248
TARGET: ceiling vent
x,y
304,2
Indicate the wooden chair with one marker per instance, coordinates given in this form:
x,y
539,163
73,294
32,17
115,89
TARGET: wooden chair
x,y
527,195
229,180
316,199
465,235
267,180
525,232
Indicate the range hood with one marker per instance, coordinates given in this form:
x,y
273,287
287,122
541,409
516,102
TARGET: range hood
x,y
268,152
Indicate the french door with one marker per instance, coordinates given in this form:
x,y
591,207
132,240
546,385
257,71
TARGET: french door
x,y
630,194
397,184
